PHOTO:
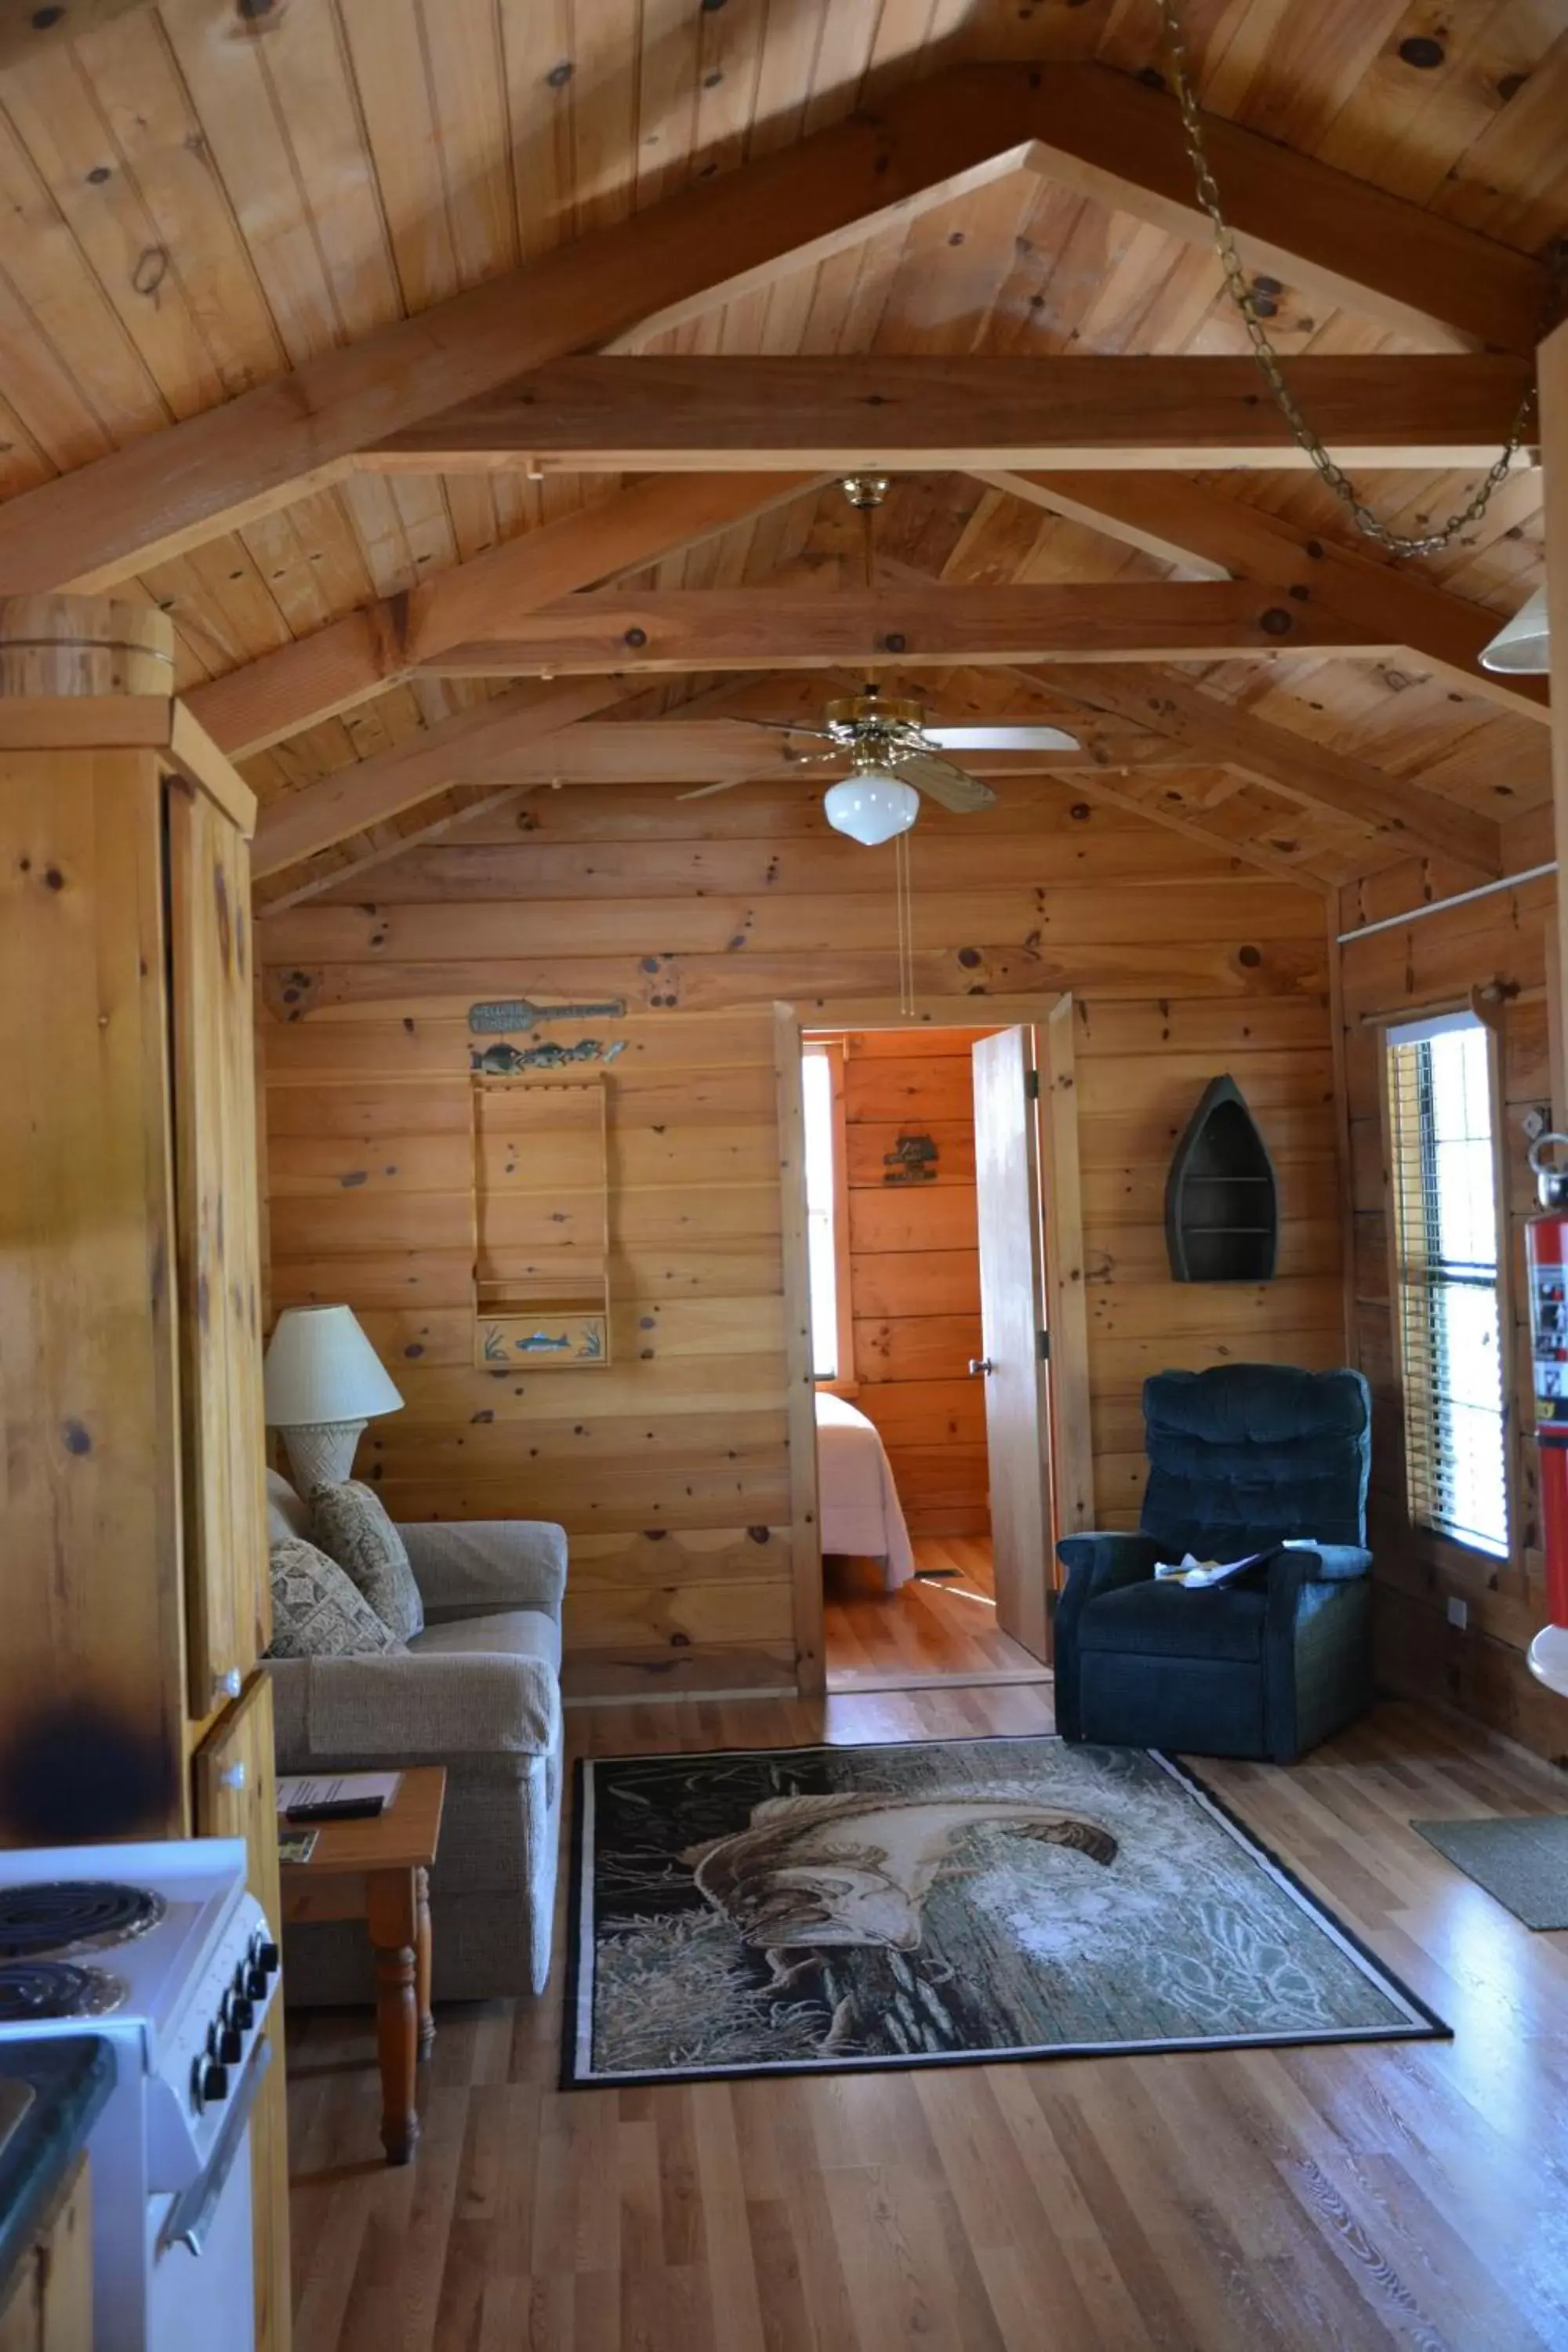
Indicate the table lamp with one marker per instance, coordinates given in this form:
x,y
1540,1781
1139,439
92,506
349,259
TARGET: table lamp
x,y
324,1381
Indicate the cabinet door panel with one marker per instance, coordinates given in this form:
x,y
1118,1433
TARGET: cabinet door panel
x,y
237,1796
216,1165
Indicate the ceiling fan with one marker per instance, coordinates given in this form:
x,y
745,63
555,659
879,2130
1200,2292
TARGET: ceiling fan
x,y
893,755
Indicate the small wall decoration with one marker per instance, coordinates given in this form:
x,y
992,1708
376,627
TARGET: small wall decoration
x,y
542,1228
912,1160
518,1013
506,1061
1222,1209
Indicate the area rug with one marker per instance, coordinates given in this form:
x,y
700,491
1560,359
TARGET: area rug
x,y
1523,1863
817,1910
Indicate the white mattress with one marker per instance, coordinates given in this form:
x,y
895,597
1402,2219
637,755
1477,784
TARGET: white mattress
x,y
857,1498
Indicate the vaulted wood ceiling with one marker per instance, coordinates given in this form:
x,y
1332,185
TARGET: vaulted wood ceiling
x,y
205,195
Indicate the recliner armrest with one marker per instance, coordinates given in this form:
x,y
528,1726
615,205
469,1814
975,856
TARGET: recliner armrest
x,y
472,1568
1100,1563
400,1710
1333,1563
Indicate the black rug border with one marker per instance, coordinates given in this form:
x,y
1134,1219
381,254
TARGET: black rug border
x,y
1436,2028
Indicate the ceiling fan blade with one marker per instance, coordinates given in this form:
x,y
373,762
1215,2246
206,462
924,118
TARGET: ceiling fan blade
x,y
785,727
1003,739
765,775
951,788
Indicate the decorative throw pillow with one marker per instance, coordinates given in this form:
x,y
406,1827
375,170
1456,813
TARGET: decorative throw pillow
x,y
317,1612
350,1523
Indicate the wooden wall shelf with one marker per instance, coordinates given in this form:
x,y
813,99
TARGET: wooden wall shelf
x,y
1221,1205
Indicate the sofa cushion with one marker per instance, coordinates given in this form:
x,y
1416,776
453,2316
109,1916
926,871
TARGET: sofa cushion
x,y
1166,1620
350,1523
285,1514
511,1633
318,1611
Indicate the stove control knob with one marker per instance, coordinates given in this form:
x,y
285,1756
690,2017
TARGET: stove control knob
x,y
241,2013
231,2048
264,1954
255,1983
209,2081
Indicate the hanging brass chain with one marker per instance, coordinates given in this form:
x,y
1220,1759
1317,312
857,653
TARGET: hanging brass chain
x,y
1429,542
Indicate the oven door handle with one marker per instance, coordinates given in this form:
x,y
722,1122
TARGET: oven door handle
x,y
190,2215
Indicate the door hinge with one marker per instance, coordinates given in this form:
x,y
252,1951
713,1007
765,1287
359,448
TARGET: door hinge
x,y
1031,1085
1044,1337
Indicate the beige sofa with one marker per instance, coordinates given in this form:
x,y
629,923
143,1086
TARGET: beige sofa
x,y
479,1692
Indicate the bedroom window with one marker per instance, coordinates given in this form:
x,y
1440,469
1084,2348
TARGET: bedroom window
x,y
828,1212
1447,1311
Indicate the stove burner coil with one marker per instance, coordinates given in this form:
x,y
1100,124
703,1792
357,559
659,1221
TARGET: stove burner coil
x,y
66,1916
31,1991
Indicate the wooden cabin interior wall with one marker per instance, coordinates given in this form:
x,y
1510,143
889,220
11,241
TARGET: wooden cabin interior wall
x,y
914,1269
669,1468
1497,941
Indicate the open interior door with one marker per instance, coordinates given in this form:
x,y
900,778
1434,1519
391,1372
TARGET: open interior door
x,y
1012,1322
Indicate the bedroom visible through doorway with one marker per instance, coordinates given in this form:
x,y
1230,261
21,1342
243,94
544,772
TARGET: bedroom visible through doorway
x,y
903,1465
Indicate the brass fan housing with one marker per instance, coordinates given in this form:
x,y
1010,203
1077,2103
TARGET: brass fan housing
x,y
875,724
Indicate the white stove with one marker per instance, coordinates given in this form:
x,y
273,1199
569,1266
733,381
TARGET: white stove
x,y
162,1948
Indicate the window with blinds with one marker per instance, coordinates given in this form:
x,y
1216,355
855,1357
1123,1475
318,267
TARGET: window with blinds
x,y
1447,1308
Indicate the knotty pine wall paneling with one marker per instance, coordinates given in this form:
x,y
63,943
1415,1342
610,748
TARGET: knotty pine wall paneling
x,y
1435,961
914,1271
670,1468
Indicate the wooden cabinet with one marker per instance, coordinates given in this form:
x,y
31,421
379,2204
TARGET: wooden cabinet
x,y
46,2306
236,1796
132,1704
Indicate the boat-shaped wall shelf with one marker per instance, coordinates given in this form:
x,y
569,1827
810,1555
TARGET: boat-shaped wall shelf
x,y
1222,1201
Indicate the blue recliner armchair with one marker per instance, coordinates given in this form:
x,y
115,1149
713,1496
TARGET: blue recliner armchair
x,y
1240,1458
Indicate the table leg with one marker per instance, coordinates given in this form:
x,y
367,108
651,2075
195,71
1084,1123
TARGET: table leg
x,y
392,1909
422,1961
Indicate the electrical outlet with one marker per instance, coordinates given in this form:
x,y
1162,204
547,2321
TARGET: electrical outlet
x,y
1459,1613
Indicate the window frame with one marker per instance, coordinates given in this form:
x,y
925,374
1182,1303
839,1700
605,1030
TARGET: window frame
x,y
1412,1029
843,1382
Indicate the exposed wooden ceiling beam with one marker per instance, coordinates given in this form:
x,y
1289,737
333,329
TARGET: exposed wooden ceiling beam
x,y
1277,756
702,246
361,654
1084,126
715,751
378,845
458,750
793,629
600,414
1182,522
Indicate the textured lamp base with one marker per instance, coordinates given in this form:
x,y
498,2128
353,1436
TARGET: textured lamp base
x,y
320,1452
1549,1657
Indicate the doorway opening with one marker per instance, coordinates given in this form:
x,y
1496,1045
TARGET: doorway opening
x,y
926,1266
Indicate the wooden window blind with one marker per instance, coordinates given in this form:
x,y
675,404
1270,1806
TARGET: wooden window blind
x,y
1447,1303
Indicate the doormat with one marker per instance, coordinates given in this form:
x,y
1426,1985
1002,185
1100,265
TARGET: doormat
x,y
1522,1862
825,1910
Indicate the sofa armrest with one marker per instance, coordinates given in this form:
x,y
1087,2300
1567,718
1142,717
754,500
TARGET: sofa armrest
x,y
392,1711
472,1568
1097,1563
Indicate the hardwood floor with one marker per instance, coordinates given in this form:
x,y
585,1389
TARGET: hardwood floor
x,y
926,1632
1403,2195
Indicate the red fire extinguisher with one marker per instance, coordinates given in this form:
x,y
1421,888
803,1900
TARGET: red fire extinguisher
x,y
1546,1259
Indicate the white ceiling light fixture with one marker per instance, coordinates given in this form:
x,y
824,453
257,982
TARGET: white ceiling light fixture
x,y
1522,647
871,807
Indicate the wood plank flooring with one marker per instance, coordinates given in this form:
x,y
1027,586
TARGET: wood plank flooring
x,y
1407,2195
927,1630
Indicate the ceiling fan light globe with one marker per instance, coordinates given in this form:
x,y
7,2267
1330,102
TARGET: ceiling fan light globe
x,y
871,807
1522,647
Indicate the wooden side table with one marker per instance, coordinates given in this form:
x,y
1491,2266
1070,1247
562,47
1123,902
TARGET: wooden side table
x,y
379,1870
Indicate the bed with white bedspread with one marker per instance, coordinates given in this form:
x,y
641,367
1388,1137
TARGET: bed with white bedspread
x,y
856,1499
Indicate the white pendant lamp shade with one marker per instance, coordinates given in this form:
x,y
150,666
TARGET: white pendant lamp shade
x,y
322,1381
1523,648
871,807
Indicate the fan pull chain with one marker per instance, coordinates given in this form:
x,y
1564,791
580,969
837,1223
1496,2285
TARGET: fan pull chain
x,y
904,896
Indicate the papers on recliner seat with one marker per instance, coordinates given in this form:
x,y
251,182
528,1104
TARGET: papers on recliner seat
x,y
1195,1573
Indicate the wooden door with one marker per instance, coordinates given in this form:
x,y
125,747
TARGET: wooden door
x,y
1014,1332
236,1797
216,1166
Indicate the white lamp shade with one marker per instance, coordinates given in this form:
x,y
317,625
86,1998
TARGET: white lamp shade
x,y
871,807
1523,646
322,1368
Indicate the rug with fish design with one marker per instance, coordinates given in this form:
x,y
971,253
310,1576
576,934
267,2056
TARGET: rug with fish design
x,y
827,1909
